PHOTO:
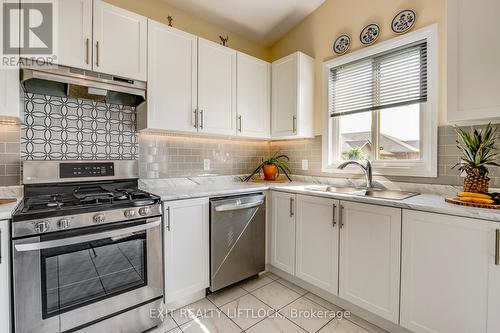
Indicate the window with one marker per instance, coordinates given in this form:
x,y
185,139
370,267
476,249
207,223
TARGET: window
x,y
381,105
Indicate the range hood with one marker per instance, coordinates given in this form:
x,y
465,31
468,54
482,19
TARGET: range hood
x,y
62,81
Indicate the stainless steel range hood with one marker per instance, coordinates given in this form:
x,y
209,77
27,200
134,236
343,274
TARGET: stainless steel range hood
x,y
65,81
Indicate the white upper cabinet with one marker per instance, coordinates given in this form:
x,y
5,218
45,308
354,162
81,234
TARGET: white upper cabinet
x,y
9,86
120,42
283,231
449,280
216,88
292,107
253,97
172,80
317,238
75,33
370,247
186,249
5,311
473,74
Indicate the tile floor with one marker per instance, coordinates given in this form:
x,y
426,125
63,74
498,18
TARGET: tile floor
x,y
265,304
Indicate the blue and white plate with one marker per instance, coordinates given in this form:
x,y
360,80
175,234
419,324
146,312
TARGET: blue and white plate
x,y
369,34
342,44
403,21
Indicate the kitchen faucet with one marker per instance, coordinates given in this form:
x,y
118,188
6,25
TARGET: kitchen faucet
x,y
366,169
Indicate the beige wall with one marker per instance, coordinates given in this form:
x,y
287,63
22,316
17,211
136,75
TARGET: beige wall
x,y
316,34
159,10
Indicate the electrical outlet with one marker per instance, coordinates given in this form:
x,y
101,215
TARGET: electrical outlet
x,y
305,164
206,164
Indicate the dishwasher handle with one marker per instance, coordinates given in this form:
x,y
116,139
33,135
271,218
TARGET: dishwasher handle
x,y
238,204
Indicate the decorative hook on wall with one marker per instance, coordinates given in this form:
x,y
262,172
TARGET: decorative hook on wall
x,y
170,19
224,41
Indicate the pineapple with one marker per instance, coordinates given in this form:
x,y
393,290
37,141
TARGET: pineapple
x,y
478,149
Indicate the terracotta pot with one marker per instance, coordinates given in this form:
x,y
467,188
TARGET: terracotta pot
x,y
270,171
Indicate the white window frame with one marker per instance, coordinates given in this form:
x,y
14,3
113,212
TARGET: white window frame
x,y
427,165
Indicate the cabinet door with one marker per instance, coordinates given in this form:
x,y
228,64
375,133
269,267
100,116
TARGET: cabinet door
x,y
473,77
4,277
444,275
318,242
186,248
75,33
120,42
494,281
172,78
253,91
283,231
370,239
284,96
216,88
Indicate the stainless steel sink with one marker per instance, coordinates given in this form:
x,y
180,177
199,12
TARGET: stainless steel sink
x,y
373,193
392,195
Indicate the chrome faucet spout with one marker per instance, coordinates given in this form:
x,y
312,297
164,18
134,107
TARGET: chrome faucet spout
x,y
366,169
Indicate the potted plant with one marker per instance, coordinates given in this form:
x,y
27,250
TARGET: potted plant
x,y
478,149
272,166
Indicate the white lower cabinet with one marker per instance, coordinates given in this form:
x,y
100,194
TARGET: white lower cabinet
x,y
5,324
186,249
449,280
370,246
317,241
283,231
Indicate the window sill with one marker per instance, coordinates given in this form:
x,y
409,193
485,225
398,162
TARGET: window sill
x,y
394,168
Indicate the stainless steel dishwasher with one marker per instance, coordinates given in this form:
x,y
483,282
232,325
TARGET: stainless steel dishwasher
x,y
237,239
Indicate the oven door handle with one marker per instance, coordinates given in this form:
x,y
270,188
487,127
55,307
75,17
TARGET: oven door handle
x,y
153,223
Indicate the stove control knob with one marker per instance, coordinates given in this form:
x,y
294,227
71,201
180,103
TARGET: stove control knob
x,y
41,227
144,211
63,224
129,213
99,218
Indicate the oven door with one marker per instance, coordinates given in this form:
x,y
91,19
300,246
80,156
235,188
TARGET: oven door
x,y
74,278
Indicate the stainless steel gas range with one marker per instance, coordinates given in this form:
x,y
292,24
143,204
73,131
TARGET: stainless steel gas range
x,y
87,249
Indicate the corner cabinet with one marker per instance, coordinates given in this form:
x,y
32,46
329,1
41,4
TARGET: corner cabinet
x,y
5,304
370,247
172,80
283,231
317,253
186,249
292,114
449,280
473,76
97,36
253,90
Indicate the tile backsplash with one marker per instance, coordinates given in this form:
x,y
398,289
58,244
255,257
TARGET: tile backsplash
x,y
59,128
10,156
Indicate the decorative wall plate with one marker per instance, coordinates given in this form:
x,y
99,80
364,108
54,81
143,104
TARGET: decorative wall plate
x,y
342,44
403,21
369,34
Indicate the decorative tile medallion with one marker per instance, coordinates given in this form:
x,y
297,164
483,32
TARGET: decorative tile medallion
x,y
60,128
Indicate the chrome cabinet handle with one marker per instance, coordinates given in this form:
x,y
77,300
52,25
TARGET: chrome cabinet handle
x,y
292,213
334,223
195,118
340,216
201,118
97,54
168,218
497,247
239,121
87,49
87,238
294,124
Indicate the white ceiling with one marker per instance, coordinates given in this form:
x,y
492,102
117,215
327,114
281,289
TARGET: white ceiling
x,y
262,20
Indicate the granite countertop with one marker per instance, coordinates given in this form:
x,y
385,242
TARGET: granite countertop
x,y
185,188
10,192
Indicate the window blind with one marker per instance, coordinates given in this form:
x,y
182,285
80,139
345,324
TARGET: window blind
x,y
391,79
